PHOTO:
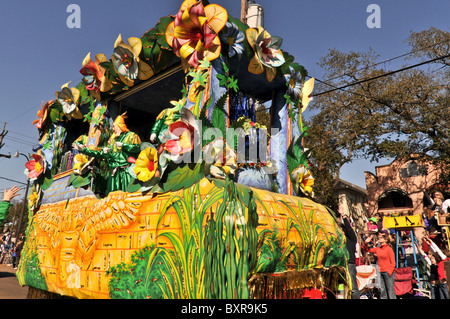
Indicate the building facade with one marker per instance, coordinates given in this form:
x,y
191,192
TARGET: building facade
x,y
400,187
351,199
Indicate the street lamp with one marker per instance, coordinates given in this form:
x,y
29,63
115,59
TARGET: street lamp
x,y
26,193
18,154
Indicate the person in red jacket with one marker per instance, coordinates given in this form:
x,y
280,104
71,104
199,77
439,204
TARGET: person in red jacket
x,y
386,263
443,288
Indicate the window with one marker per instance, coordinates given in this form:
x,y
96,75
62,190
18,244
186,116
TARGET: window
x,y
394,198
413,169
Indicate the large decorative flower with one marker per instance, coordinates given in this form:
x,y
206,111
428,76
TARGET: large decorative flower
x,y
268,55
94,75
69,100
42,114
80,161
220,158
193,34
127,63
304,179
234,37
294,83
183,141
146,164
35,167
181,137
307,89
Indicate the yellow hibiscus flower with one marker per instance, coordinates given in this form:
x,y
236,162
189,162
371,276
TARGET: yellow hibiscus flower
x,y
79,161
146,164
193,34
305,180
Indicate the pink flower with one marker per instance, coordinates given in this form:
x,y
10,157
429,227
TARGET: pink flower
x,y
184,141
35,167
180,138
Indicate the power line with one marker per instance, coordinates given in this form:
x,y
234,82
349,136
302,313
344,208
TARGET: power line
x,y
12,180
356,93
21,114
388,60
20,141
382,75
32,137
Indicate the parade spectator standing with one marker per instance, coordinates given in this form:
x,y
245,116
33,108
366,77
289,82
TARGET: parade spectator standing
x,y
372,225
5,205
434,276
351,248
386,262
379,221
443,288
17,251
438,199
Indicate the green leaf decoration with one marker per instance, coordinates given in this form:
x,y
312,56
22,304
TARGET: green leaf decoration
x,y
155,49
85,96
77,181
147,186
199,77
134,186
184,176
71,179
158,33
46,180
295,155
81,181
219,116
233,84
223,80
56,113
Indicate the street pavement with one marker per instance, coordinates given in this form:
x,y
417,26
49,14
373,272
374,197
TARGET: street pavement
x,y
9,285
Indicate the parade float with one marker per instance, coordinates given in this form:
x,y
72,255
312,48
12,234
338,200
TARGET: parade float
x,y
153,178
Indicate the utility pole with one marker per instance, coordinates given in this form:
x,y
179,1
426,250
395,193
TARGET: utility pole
x,y
25,201
244,7
2,135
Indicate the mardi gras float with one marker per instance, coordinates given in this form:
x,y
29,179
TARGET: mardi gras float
x,y
153,178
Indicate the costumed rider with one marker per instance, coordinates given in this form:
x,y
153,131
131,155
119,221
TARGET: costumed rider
x,y
164,119
122,145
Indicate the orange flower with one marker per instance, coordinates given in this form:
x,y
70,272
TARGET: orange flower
x,y
42,114
94,75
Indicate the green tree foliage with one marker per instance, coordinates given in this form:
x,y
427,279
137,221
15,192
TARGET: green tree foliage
x,y
391,116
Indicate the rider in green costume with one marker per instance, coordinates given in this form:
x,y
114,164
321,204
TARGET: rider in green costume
x,y
122,145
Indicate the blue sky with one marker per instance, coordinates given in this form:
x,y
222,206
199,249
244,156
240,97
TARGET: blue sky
x,y
39,53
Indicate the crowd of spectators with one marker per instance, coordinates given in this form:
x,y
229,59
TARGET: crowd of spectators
x,y
10,248
379,247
